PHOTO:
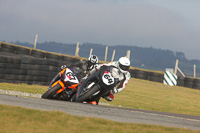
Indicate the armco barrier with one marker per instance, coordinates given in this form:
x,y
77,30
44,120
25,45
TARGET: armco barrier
x,y
26,65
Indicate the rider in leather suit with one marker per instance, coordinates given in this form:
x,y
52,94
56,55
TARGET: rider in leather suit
x,y
123,65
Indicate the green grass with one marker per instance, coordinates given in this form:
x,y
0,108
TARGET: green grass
x,y
24,88
20,120
141,94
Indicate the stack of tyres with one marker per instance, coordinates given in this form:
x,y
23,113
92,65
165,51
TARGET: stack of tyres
x,y
188,82
27,65
132,71
140,74
2,67
68,59
41,71
23,65
7,48
37,53
54,65
16,68
35,70
196,84
156,77
22,50
9,68
51,56
54,68
180,81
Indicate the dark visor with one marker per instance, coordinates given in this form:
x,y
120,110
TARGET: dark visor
x,y
125,68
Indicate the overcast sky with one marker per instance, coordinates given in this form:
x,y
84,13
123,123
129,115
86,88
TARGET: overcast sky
x,y
164,24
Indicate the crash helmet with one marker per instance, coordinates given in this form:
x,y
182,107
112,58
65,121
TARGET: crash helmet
x,y
123,64
92,60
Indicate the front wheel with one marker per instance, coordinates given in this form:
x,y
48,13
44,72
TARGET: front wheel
x,y
73,98
50,94
85,95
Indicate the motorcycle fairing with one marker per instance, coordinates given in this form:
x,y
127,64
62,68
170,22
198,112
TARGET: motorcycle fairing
x,y
61,84
69,76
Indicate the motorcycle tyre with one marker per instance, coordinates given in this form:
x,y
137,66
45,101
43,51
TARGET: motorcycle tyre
x,y
73,98
87,94
48,94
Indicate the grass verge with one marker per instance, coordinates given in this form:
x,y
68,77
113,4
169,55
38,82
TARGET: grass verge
x,y
21,120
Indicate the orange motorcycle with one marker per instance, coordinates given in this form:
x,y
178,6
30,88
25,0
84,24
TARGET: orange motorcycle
x,y
64,84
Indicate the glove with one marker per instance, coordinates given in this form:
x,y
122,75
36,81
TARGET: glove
x,y
63,67
115,90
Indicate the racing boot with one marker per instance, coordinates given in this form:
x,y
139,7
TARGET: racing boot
x,y
109,96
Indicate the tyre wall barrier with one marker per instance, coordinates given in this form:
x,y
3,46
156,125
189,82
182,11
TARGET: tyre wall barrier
x,y
196,84
159,77
16,49
26,65
140,74
188,82
9,68
27,69
151,76
30,69
7,48
156,77
68,59
37,53
180,81
22,50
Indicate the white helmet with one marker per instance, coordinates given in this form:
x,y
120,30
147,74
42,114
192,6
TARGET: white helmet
x,y
92,60
124,64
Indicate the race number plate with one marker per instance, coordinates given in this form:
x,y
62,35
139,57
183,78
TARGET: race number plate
x,y
107,78
70,76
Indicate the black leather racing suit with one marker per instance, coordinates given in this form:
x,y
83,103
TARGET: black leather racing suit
x,y
82,64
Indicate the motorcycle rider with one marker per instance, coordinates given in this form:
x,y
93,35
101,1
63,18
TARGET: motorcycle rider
x,y
123,65
84,66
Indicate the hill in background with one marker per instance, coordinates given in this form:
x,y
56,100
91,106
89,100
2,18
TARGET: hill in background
x,y
145,58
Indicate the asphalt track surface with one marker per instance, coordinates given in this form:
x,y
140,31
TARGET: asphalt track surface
x,y
106,112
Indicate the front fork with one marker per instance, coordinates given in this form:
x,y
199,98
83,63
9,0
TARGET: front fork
x,y
55,81
56,78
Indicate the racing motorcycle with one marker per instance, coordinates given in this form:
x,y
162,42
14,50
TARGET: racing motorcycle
x,y
64,85
97,84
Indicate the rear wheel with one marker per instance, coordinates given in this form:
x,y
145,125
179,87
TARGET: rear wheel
x,y
51,93
86,94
